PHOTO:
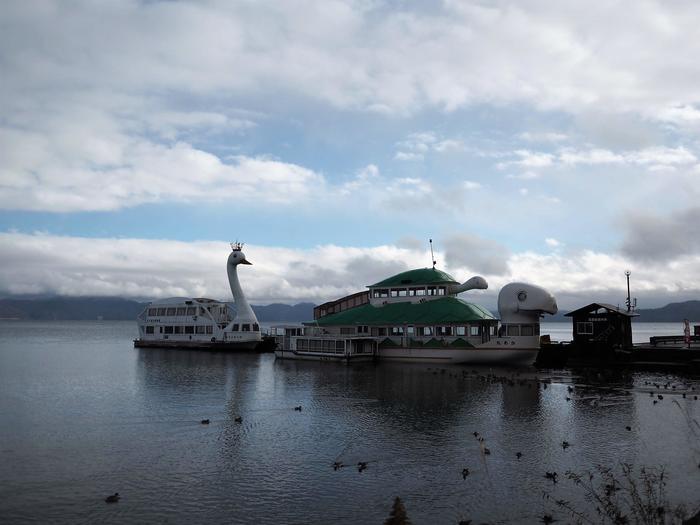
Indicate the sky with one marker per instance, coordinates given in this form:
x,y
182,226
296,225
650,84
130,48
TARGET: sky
x,y
548,142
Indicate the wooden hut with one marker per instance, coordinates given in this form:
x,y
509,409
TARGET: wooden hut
x,y
601,327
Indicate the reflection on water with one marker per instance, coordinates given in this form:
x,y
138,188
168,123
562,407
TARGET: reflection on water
x,y
83,415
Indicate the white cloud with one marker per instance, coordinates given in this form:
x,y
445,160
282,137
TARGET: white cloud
x,y
403,155
652,157
543,136
42,263
526,175
528,159
552,243
127,173
471,185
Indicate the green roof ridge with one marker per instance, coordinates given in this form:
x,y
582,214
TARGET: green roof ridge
x,y
416,277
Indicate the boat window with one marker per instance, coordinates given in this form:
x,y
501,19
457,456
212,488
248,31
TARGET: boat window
x,y
256,328
200,329
363,329
191,310
383,293
375,293
381,330
431,290
425,330
189,329
402,292
245,327
410,330
492,329
527,329
347,330
234,328
152,311
474,330
181,311
178,329
513,330
149,329
420,291
161,311
411,292
168,329
210,329
394,293
170,311
397,330
584,328
460,330
537,329
444,330
441,290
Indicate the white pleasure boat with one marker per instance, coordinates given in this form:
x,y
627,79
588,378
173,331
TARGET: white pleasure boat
x,y
201,322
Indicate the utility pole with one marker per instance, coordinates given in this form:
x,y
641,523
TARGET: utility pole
x,y
629,299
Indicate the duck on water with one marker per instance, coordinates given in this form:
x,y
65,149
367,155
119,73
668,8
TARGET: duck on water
x,y
182,322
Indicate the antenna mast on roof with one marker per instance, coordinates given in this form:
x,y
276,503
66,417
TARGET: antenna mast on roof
x,y
432,257
629,300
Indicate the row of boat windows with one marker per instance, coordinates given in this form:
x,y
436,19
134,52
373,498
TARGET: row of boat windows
x,y
381,293
519,329
421,331
200,329
320,345
511,330
180,310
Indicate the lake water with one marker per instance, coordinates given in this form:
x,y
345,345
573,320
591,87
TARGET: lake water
x,y
83,414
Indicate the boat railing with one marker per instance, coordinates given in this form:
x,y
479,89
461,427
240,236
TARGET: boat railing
x,y
672,340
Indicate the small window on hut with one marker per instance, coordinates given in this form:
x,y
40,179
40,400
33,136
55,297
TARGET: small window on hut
x,y
584,328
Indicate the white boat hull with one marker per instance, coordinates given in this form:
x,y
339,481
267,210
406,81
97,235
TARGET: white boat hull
x,y
475,355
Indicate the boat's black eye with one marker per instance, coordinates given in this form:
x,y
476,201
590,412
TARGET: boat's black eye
x,y
522,295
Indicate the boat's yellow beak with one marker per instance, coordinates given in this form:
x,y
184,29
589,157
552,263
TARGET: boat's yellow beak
x,y
246,261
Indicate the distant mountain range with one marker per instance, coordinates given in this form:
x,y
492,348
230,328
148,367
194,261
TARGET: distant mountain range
x,y
115,308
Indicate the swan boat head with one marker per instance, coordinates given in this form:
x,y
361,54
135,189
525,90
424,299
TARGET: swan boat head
x,y
237,256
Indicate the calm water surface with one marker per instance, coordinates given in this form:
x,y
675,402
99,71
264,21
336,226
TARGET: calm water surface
x,y
83,414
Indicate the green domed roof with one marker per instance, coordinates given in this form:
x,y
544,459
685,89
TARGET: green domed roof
x,y
447,310
416,277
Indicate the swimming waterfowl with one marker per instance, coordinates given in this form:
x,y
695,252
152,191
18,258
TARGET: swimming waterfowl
x,y
238,419
337,465
465,473
205,421
518,455
112,498
551,475
298,409
565,445
361,465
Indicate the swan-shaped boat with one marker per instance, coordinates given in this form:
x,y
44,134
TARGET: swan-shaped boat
x,y
202,322
418,316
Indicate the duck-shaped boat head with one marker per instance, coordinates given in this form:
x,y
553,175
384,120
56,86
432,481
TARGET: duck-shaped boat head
x,y
523,302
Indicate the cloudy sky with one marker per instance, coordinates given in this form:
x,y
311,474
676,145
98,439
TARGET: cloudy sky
x,y
551,142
